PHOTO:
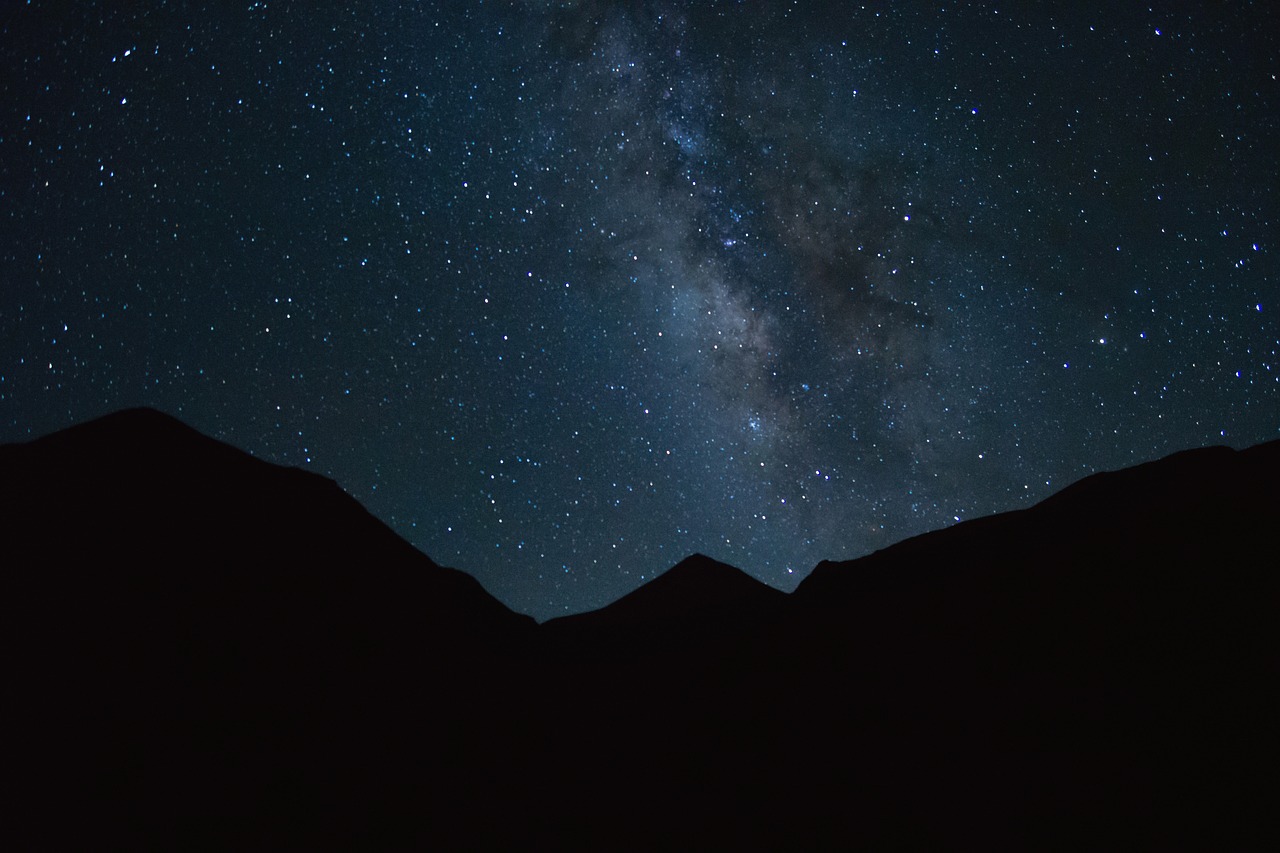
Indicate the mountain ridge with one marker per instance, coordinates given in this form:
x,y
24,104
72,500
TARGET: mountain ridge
x,y
108,453
1098,665
1104,489
144,429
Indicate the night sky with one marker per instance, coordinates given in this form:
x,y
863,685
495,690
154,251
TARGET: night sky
x,y
565,291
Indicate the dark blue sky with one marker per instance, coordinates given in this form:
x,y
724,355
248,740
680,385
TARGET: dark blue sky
x,y
566,291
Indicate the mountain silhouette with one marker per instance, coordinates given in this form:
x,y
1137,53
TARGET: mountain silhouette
x,y
204,650
141,487
193,631
696,587
696,602
1100,657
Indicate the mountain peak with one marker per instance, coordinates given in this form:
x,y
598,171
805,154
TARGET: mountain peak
x,y
155,441
698,590
703,580
136,421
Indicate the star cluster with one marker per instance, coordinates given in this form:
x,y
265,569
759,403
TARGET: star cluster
x,y
565,291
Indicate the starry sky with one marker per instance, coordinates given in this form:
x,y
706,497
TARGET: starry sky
x,y
565,291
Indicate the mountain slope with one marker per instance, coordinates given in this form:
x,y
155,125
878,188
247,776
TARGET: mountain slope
x,y
141,484
1104,657
177,610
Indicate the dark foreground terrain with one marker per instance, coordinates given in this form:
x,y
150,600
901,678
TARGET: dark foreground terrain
x,y
205,651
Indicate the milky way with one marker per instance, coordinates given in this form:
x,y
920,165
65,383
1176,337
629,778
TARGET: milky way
x,y
564,292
